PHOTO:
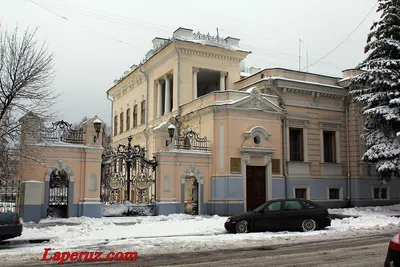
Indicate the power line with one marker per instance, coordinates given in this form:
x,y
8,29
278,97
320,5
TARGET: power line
x,y
109,17
328,61
112,18
333,50
90,29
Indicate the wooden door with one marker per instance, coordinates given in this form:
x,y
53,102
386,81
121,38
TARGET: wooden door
x,y
255,187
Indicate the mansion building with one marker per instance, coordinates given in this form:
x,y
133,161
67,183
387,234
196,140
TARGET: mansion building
x,y
240,139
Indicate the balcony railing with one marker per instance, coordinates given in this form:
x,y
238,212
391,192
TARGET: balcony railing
x,y
190,140
62,131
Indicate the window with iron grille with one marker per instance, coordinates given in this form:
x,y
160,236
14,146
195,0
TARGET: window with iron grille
x,y
300,193
380,193
128,119
296,144
135,116
115,125
329,146
334,193
121,122
142,112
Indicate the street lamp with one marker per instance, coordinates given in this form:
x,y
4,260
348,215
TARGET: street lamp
x,y
97,128
171,131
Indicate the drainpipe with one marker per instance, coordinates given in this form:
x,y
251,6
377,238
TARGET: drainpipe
x,y
112,112
284,135
348,154
285,163
178,86
146,117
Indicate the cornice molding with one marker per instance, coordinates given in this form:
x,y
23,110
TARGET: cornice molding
x,y
188,51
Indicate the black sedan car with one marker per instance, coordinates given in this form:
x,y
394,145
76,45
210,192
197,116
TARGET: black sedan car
x,y
393,253
281,214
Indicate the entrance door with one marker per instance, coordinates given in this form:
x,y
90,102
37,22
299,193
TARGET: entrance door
x,y
255,187
58,194
191,196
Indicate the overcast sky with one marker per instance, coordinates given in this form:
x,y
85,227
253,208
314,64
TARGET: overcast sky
x,y
97,40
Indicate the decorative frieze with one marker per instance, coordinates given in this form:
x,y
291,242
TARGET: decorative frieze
x,y
209,55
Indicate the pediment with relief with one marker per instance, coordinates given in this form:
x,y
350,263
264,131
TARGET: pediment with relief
x,y
257,101
257,140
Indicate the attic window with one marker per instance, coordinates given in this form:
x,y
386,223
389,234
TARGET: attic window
x,y
262,75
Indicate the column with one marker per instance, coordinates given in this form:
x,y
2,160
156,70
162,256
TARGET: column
x,y
195,71
167,99
159,99
222,81
337,148
305,143
268,176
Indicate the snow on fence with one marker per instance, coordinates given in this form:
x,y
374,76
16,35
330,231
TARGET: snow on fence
x,y
128,209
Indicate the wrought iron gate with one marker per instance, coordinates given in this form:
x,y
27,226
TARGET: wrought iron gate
x,y
58,193
10,191
127,176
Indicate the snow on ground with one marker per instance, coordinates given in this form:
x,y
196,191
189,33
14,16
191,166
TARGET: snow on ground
x,y
359,211
180,233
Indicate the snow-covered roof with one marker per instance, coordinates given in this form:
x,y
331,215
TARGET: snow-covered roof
x,y
159,126
294,80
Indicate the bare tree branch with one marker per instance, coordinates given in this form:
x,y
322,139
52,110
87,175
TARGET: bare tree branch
x,y
26,76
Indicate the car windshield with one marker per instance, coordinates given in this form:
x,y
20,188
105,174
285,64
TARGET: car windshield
x,y
260,207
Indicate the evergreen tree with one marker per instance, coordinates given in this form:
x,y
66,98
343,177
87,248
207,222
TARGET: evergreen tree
x,y
377,89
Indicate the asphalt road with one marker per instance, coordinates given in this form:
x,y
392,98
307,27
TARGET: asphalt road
x,y
365,251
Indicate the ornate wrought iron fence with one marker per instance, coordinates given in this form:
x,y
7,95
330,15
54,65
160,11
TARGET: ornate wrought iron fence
x,y
64,132
10,192
190,140
127,175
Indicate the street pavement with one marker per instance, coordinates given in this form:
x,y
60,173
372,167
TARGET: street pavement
x,y
365,251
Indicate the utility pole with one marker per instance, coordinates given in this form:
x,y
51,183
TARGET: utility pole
x,y
299,54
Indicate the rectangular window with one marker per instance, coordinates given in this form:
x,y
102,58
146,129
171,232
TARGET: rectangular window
x,y
334,193
143,111
121,122
128,119
380,193
329,146
300,193
296,144
115,125
135,116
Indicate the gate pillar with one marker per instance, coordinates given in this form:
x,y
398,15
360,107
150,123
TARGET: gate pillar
x,y
31,201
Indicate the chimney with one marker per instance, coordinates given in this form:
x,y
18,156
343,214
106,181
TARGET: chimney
x,y
232,41
133,67
116,81
126,73
158,41
183,33
349,73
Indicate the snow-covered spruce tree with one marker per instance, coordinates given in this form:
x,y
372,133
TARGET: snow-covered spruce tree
x,y
377,89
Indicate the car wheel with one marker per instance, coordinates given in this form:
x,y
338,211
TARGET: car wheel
x,y
308,225
241,227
